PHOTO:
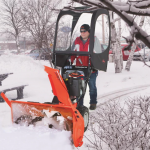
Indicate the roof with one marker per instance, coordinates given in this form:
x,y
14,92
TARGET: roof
x,y
7,42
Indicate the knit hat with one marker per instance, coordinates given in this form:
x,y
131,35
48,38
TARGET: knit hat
x,y
85,27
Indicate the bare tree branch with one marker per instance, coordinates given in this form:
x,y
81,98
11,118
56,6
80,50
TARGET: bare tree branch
x,y
12,20
38,16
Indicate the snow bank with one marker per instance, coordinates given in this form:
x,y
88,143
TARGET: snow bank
x,y
34,138
19,63
110,81
14,137
26,71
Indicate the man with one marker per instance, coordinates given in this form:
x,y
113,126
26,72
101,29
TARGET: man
x,y
82,44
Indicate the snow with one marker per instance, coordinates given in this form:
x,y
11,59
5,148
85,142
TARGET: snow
x,y
142,4
30,138
31,72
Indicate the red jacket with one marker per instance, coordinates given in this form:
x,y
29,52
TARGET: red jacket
x,y
82,47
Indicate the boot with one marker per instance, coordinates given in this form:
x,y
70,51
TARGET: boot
x,y
92,106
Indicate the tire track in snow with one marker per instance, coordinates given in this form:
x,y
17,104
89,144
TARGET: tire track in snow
x,y
102,99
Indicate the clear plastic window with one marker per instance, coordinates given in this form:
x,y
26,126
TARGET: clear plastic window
x,y
85,18
64,33
101,38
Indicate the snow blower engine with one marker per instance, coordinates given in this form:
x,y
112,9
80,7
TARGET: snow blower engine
x,y
75,83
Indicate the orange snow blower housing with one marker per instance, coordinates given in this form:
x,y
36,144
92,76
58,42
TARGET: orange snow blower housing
x,y
74,120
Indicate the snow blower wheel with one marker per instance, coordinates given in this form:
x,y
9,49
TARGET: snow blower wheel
x,y
84,111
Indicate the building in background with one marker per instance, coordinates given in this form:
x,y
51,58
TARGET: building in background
x,y
11,45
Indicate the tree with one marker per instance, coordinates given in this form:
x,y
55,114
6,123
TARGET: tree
x,y
116,126
116,46
38,17
133,7
129,61
11,19
124,10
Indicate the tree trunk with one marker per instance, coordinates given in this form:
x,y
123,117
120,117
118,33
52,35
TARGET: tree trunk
x,y
17,44
129,61
117,56
116,48
121,57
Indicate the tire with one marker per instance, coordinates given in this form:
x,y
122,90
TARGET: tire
x,y
84,111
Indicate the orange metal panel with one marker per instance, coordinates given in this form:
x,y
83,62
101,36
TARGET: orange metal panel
x,y
65,107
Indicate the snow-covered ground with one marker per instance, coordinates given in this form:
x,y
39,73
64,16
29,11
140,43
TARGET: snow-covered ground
x,y
31,72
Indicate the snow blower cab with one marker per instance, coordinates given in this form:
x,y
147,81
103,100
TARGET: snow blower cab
x,y
77,61
68,79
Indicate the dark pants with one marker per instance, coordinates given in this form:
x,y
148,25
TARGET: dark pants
x,y
92,89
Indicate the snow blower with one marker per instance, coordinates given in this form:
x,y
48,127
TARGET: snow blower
x,y
30,113
68,80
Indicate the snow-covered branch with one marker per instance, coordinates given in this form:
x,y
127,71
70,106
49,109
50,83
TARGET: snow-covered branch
x,y
81,10
132,7
141,3
123,11
121,127
139,33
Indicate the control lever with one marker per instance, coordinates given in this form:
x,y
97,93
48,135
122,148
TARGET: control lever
x,y
80,61
69,61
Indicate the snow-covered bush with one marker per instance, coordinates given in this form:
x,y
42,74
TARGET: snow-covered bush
x,y
121,127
